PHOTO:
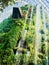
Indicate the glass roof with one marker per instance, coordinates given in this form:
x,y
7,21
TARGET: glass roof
x,y
20,3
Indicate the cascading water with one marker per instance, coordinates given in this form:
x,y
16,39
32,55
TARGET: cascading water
x,y
37,31
45,36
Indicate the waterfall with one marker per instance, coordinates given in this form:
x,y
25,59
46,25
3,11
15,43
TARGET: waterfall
x,y
45,36
37,32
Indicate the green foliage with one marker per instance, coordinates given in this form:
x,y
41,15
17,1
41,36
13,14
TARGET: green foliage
x,y
6,25
5,3
7,57
11,31
9,35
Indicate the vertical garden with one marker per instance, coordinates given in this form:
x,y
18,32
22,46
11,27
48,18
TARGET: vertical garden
x,y
25,41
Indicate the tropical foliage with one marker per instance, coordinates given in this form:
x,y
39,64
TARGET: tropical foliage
x,y
11,33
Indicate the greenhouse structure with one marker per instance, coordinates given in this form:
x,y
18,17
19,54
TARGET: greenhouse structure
x,y
24,32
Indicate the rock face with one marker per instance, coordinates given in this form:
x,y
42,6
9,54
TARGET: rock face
x,y
16,13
